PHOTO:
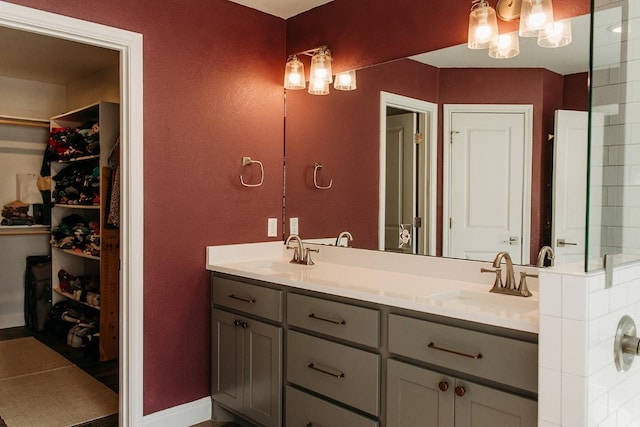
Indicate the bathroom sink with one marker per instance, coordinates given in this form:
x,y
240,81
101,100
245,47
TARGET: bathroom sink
x,y
486,302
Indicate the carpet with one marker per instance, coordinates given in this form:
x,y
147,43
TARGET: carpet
x,y
38,387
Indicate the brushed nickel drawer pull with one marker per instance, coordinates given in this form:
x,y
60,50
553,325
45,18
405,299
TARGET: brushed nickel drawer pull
x,y
250,300
471,356
324,319
324,371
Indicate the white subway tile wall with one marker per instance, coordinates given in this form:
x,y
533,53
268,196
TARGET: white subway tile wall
x,y
579,384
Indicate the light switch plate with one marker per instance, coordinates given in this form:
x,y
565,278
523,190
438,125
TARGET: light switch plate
x,y
272,227
293,225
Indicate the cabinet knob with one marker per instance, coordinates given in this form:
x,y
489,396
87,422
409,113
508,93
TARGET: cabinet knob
x,y
237,323
244,325
443,386
460,391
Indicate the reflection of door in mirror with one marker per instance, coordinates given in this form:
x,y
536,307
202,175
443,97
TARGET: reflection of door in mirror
x,y
407,175
401,182
569,186
487,168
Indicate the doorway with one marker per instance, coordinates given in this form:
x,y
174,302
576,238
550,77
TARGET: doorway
x,y
487,181
407,180
129,45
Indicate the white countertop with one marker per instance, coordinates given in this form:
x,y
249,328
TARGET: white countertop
x,y
396,280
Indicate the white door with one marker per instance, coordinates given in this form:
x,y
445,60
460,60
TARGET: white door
x,y
488,174
569,186
400,203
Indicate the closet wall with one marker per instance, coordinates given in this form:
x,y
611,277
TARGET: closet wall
x,y
21,152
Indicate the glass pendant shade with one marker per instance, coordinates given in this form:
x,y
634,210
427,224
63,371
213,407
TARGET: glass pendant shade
x,y
483,26
555,34
318,86
345,81
294,74
321,65
534,16
505,46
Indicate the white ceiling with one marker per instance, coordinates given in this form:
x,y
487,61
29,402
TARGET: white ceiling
x,y
282,8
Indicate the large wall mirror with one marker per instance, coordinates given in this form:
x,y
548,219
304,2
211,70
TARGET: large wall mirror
x,y
448,153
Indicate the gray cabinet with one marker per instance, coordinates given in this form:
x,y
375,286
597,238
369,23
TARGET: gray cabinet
x,y
419,397
247,366
356,364
415,397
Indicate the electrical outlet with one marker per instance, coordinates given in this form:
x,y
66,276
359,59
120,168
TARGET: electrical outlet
x,y
293,225
272,227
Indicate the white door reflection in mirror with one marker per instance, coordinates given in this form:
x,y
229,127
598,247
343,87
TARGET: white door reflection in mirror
x,y
407,174
487,187
570,153
402,185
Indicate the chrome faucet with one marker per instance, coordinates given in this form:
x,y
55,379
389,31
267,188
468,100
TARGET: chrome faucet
x,y
509,287
298,251
545,252
301,255
341,236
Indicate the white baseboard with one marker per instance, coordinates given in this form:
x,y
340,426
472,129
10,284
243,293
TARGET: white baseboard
x,y
184,415
11,320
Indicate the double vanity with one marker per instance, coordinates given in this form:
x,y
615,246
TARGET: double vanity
x,y
366,338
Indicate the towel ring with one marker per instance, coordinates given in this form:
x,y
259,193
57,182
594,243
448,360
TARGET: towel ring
x,y
317,166
246,161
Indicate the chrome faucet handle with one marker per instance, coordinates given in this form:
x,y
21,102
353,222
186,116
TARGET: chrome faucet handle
x,y
307,256
497,284
523,289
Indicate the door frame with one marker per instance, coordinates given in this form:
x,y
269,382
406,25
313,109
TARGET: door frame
x,y
428,159
527,111
129,44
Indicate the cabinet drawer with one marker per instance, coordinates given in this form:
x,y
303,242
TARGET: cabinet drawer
x,y
504,360
357,324
304,410
340,372
252,299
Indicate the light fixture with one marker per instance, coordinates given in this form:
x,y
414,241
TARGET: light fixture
x,y
505,46
536,20
534,16
555,34
294,74
345,81
321,65
483,25
320,75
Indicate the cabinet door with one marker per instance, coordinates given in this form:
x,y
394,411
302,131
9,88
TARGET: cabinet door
x,y
415,397
263,372
479,406
226,364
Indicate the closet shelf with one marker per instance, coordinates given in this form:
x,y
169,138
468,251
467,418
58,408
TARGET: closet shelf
x,y
65,206
80,159
22,121
78,254
70,296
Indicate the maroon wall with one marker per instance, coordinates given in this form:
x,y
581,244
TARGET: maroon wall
x,y
576,92
212,94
